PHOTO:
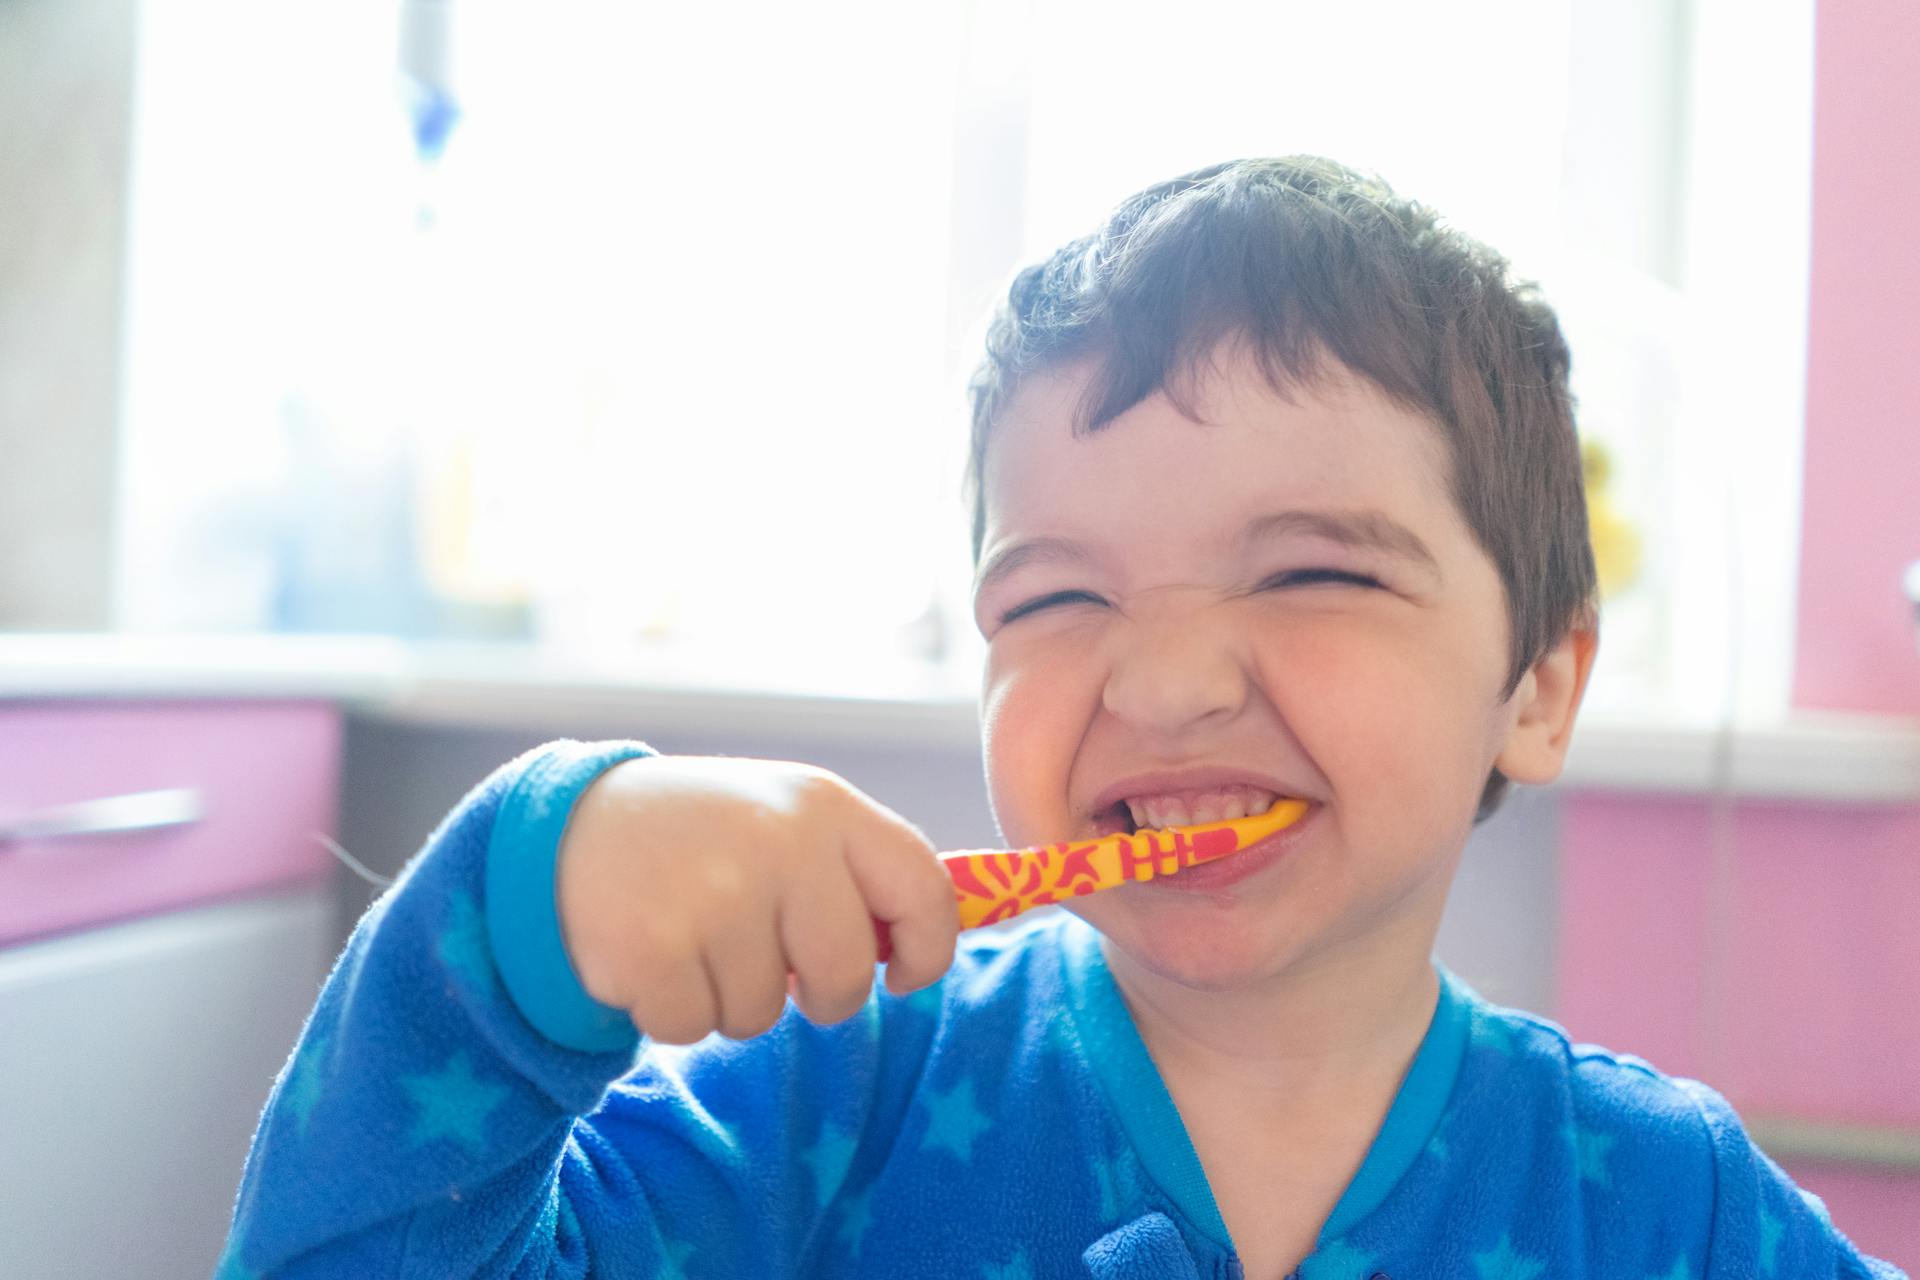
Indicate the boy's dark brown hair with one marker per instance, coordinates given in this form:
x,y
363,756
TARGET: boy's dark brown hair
x,y
1304,259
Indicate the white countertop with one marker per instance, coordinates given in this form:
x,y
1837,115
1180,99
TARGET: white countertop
x,y
1817,756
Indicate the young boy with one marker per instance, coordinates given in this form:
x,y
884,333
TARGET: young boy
x,y
1276,495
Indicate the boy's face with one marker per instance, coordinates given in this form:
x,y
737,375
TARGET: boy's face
x,y
1284,592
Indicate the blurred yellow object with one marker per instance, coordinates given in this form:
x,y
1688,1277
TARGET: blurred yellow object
x,y
459,548
1616,543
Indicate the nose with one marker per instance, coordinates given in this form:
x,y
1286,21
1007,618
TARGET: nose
x,y
1173,674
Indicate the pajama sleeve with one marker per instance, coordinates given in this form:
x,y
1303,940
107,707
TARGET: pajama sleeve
x,y
425,1127
1764,1225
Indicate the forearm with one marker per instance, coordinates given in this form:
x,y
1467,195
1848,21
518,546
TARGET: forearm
x,y
420,1126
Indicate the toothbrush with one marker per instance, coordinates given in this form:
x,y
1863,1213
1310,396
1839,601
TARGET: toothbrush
x,y
992,885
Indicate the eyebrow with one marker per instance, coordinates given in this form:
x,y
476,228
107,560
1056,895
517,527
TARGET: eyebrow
x,y
1005,562
1362,530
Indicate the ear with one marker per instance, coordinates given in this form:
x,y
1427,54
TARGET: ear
x,y
1544,707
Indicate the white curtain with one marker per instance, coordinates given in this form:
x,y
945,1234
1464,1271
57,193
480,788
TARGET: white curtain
x,y
666,351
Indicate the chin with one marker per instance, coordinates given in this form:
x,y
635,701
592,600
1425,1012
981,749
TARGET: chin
x,y
1204,955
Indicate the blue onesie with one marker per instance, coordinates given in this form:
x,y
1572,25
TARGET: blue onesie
x,y
457,1106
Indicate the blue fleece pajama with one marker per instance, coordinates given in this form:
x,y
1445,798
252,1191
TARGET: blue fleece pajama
x,y
458,1106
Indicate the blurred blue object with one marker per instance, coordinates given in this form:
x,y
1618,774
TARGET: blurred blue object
x,y
426,70
434,114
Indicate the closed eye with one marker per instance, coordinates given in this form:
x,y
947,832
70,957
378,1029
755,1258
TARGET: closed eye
x,y
1045,602
1291,578
1319,577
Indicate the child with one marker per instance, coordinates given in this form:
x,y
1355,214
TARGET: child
x,y
1276,494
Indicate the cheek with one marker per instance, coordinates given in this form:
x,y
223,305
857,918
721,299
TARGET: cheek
x,y
1379,709
1034,711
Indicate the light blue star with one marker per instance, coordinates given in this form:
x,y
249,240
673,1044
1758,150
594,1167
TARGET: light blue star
x,y
1591,1152
1678,1271
677,1251
1437,1145
1016,1268
1117,1185
1492,1033
1503,1262
866,1022
925,1001
829,1157
1770,1232
1337,1261
452,1103
956,1122
303,1081
463,945
1061,1041
858,1211
229,1267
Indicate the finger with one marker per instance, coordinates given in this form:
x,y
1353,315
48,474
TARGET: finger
x,y
827,934
675,1002
907,890
749,968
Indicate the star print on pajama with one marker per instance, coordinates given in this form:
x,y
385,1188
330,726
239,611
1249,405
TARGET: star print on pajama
x,y
1504,1262
1436,1148
1015,1268
463,945
229,1266
1117,1182
1492,1035
1007,1123
856,1220
304,1080
1678,1271
1593,1149
828,1158
452,1103
1771,1229
955,1123
674,1265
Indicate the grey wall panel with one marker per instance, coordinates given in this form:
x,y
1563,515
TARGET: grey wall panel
x,y
1501,928
66,77
399,780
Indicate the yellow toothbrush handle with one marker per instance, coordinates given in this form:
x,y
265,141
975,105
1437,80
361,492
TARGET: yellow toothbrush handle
x,y
991,885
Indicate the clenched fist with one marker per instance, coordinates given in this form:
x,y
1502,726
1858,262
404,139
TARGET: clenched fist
x,y
696,892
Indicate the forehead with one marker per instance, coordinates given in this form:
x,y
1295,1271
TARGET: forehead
x,y
1335,443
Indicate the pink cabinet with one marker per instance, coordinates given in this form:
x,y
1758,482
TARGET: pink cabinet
x,y
221,798
153,977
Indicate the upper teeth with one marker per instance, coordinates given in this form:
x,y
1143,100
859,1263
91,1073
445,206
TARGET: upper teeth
x,y
1216,804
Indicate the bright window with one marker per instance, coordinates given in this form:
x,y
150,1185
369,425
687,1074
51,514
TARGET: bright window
x,y
664,353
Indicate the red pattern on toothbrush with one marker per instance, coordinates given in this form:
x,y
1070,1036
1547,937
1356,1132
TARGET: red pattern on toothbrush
x,y
992,885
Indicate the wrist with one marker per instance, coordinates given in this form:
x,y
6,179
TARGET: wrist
x,y
522,898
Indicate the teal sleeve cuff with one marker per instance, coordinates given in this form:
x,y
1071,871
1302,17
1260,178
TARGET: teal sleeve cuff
x,y
523,918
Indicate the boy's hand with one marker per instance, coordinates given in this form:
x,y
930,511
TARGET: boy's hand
x,y
690,887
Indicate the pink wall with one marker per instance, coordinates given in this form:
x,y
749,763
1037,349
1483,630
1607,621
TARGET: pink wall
x,y
1797,995
1795,990
1861,521
1782,1001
